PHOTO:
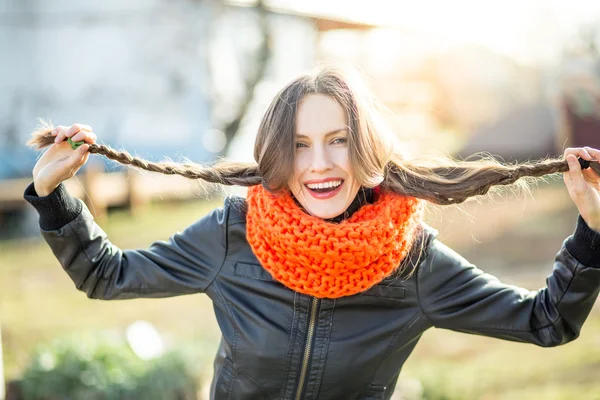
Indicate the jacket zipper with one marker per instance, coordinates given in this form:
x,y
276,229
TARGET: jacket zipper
x,y
308,346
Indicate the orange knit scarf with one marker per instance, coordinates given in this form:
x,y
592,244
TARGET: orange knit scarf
x,y
329,260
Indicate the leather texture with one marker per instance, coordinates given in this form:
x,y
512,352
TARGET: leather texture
x,y
358,343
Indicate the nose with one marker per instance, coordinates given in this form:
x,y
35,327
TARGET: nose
x,y
321,160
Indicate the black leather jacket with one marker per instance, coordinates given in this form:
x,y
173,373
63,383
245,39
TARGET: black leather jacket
x,y
278,344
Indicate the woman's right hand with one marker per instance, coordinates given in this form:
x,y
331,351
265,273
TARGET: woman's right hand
x,y
60,162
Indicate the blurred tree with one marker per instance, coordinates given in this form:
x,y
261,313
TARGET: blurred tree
x,y
579,97
253,69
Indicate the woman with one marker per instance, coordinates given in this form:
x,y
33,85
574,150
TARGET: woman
x,y
325,277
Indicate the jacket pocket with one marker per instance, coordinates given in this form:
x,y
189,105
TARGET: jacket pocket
x,y
233,385
225,381
252,271
389,288
387,291
373,392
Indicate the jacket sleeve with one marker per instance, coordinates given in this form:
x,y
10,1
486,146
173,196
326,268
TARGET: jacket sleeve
x,y
186,263
456,295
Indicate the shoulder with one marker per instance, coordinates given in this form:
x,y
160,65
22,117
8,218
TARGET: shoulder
x,y
440,255
436,253
219,219
235,207
421,248
443,268
420,251
432,258
427,235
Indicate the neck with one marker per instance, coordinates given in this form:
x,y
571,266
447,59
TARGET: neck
x,y
364,196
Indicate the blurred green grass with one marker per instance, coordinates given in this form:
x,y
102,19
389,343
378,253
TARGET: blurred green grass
x,y
38,301
452,365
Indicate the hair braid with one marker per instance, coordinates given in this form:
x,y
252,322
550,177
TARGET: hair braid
x,y
226,173
447,182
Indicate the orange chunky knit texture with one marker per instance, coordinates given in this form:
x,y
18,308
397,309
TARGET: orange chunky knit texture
x,y
329,260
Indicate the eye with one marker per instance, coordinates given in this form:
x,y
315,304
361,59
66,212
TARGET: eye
x,y
300,144
339,140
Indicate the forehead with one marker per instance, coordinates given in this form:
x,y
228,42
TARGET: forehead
x,y
318,114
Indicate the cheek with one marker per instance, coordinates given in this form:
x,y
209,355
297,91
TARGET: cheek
x,y
342,160
301,163
294,181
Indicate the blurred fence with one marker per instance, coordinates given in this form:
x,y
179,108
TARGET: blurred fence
x,y
101,190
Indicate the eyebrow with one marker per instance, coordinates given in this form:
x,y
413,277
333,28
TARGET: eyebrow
x,y
300,136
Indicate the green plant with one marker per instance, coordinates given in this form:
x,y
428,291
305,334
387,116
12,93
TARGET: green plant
x,y
103,367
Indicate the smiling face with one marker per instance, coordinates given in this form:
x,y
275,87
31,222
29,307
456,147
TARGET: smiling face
x,y
322,181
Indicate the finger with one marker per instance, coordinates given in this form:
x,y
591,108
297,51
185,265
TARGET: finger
x,y
568,181
54,131
84,127
595,153
73,129
591,176
83,149
578,151
60,136
79,156
88,137
578,184
589,173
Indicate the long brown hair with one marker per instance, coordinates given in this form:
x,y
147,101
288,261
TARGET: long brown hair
x,y
440,180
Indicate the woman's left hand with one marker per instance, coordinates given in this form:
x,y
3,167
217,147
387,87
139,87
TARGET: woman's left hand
x,y
584,185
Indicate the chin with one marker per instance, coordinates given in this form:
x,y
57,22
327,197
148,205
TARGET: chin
x,y
326,215
324,209
324,212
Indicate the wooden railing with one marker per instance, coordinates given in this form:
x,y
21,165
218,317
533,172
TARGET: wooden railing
x,y
101,190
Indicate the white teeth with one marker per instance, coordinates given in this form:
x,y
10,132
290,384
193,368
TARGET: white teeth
x,y
324,185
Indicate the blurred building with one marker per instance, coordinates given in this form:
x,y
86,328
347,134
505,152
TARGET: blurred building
x,y
503,106
143,74
162,79
133,70
579,103
156,78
